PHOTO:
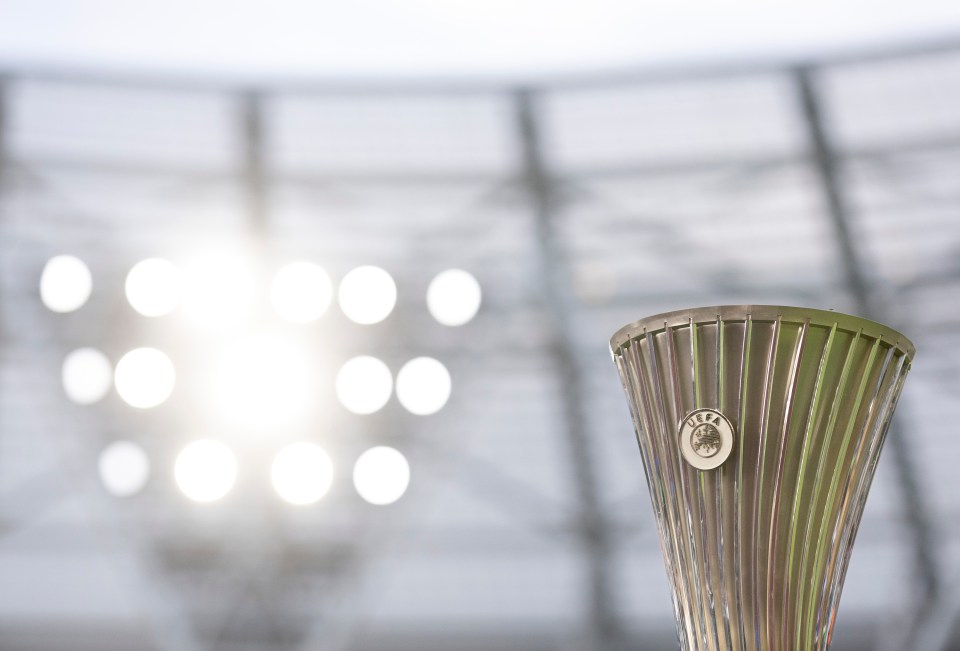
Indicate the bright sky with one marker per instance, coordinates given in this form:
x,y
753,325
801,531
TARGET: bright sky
x,y
489,38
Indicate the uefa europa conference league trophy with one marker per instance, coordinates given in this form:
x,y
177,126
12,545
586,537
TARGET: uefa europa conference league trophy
x,y
760,428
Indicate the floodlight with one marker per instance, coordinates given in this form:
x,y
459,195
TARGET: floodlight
x,y
302,473
65,283
124,468
144,377
367,295
153,287
86,375
453,297
262,381
364,385
205,470
381,475
423,386
301,292
219,290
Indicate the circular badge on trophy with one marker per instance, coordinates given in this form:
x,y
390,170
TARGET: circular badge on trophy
x,y
706,438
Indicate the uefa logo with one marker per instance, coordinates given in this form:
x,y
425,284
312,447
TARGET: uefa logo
x,y
706,438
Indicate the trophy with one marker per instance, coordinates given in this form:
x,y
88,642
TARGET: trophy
x,y
760,428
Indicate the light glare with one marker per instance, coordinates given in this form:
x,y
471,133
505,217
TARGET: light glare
x,y
381,475
301,292
205,470
153,287
423,386
367,295
364,385
65,283
262,381
302,473
144,377
219,291
124,468
86,375
453,297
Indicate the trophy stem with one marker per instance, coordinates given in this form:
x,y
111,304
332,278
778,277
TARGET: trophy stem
x,y
760,428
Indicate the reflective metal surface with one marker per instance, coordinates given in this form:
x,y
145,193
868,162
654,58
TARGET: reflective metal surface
x,y
757,547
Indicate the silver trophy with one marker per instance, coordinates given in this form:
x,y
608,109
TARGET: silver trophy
x,y
760,428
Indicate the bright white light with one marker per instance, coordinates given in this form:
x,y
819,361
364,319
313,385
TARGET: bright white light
x,y
453,297
302,473
205,470
367,295
381,475
423,386
153,287
301,292
124,468
144,377
219,290
87,375
65,283
262,381
364,385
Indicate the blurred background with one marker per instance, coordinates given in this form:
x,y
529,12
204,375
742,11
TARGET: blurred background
x,y
304,306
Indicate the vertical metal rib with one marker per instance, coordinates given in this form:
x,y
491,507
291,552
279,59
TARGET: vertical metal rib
x,y
713,642
738,506
809,440
816,616
704,622
671,465
876,441
758,486
865,458
772,542
657,480
818,483
719,487
633,383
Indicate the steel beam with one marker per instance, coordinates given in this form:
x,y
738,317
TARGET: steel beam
x,y
254,166
604,630
3,136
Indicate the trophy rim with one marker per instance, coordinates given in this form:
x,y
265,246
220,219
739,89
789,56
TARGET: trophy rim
x,y
700,315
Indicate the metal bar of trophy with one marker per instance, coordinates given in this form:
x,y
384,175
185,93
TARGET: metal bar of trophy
x,y
759,428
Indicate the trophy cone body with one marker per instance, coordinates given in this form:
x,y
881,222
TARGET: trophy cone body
x,y
759,428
